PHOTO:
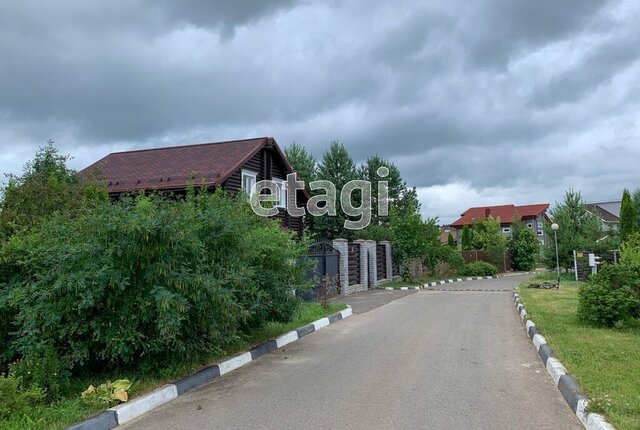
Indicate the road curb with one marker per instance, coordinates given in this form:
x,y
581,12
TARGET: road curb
x,y
452,280
569,388
440,282
125,412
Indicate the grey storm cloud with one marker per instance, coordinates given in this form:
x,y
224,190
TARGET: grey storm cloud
x,y
489,100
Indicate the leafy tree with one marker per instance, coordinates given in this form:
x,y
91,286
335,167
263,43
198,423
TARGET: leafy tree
x,y
302,162
451,241
375,232
466,238
579,230
524,245
415,238
487,231
337,167
628,217
46,186
487,236
408,202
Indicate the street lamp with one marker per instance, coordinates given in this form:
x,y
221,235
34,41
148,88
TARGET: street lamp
x,y
555,228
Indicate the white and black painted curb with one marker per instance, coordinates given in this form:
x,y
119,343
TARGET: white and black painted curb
x,y
568,386
126,412
441,282
452,280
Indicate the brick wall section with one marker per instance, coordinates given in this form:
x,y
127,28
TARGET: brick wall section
x,y
341,245
389,262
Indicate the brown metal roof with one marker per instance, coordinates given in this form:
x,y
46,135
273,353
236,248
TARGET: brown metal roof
x,y
173,167
504,212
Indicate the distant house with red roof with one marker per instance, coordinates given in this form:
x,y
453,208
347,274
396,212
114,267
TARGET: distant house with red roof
x,y
533,216
232,165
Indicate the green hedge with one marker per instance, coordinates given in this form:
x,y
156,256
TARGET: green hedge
x,y
479,268
143,279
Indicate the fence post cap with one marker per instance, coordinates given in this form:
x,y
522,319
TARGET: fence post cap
x,y
384,242
359,241
340,240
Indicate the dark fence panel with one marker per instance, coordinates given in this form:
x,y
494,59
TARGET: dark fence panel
x,y
354,263
395,269
381,261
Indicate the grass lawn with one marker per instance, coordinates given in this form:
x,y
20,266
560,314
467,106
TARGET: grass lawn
x,y
68,411
604,361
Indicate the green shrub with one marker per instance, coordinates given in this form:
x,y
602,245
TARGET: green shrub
x,y
525,248
148,278
14,400
479,268
609,296
450,256
630,251
42,369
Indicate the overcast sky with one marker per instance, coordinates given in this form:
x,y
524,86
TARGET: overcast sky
x,y
484,102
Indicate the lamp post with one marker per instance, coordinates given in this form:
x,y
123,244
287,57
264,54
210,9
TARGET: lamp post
x,y
555,228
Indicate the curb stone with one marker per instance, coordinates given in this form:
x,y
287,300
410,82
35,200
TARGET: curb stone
x,y
452,280
440,282
569,388
125,412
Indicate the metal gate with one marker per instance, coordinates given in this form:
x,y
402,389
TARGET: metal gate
x,y
325,267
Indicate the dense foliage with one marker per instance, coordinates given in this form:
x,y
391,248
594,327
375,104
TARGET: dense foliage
x,y
46,187
579,230
145,278
479,268
466,238
451,241
524,246
488,237
628,217
337,167
613,294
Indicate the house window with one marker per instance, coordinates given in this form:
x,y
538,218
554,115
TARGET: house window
x,y
281,193
248,181
530,225
506,229
540,233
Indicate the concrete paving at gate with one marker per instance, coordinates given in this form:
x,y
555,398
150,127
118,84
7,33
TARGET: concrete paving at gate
x,y
433,359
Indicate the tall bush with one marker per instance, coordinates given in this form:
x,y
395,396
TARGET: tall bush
x,y
628,217
610,296
146,278
524,245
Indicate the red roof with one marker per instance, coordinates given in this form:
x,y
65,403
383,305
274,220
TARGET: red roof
x,y
172,167
504,212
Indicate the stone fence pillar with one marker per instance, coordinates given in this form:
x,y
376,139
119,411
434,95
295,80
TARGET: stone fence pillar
x,y
342,246
373,264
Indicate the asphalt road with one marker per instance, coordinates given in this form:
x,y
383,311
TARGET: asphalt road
x,y
433,359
